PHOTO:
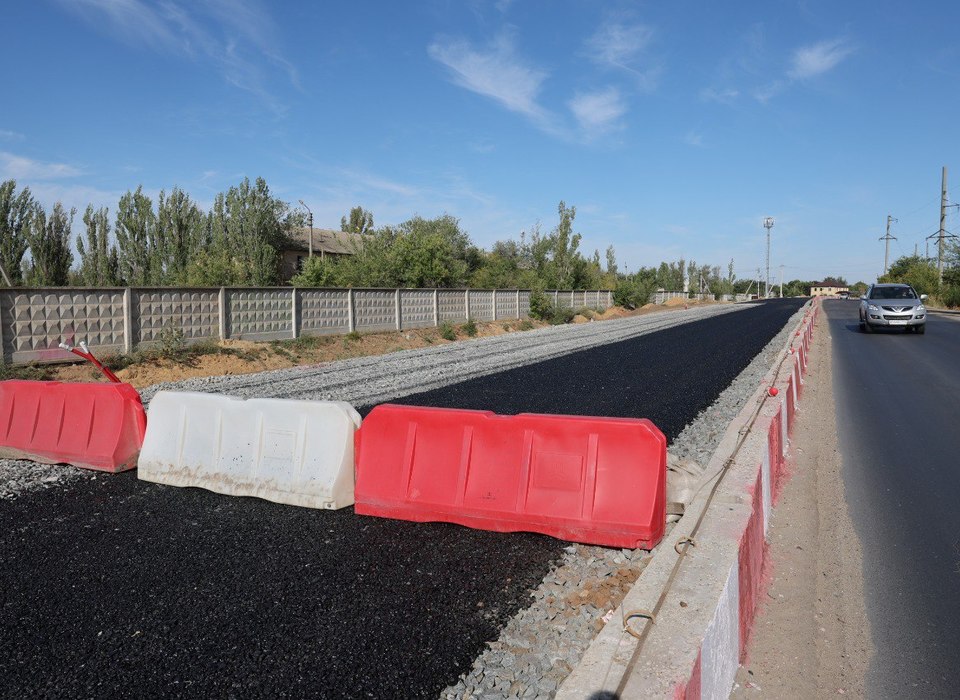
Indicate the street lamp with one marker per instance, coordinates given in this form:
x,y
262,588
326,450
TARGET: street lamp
x,y
767,224
310,220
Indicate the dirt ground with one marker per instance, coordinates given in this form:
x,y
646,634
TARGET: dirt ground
x,y
231,357
811,638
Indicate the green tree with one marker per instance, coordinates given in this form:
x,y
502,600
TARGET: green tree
x,y
565,244
99,262
916,271
140,259
182,233
245,232
15,210
49,241
360,221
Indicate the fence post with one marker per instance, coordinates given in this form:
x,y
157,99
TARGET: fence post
x,y
518,304
222,309
436,307
494,304
294,307
556,298
466,301
351,322
128,320
396,307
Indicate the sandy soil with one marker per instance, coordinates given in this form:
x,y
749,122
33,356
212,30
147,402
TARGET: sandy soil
x,y
811,638
244,357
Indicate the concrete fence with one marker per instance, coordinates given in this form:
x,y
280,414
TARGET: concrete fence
x,y
33,322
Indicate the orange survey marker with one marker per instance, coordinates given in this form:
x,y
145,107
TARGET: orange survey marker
x,y
591,480
91,425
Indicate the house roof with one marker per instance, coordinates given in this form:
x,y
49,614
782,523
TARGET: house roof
x,y
326,240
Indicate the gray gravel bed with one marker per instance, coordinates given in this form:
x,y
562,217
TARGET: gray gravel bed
x,y
540,645
366,381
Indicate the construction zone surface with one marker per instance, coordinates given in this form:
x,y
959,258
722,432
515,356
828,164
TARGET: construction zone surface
x,y
583,479
186,592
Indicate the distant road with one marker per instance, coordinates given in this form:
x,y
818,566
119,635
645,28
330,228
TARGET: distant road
x,y
898,416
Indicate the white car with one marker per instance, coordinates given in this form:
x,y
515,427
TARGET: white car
x,y
893,306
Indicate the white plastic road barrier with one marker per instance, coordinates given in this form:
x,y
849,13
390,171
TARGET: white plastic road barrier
x,y
294,452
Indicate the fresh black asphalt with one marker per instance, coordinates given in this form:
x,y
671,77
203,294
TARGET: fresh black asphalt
x,y
117,588
897,398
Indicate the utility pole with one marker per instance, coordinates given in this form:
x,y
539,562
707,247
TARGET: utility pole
x,y
768,224
758,282
781,281
310,219
887,238
943,221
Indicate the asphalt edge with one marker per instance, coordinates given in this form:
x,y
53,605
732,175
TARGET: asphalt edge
x,y
699,637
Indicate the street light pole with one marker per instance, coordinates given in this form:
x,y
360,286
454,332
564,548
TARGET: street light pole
x,y
767,224
310,220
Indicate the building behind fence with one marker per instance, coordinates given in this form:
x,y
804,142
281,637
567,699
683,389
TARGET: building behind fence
x,y
33,322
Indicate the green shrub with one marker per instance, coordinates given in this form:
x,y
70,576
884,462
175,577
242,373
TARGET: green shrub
x,y
34,372
540,305
447,331
470,328
352,336
525,325
171,341
561,316
951,296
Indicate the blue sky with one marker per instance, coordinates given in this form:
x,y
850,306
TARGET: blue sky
x,y
673,127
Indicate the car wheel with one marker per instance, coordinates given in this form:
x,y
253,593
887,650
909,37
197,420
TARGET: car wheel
x,y
920,329
867,328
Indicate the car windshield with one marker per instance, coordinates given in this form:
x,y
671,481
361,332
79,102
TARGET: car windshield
x,y
892,293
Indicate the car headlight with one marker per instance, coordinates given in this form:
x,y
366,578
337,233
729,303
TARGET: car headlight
x,y
919,309
873,307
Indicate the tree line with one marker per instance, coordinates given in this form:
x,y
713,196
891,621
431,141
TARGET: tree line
x,y
238,242
170,242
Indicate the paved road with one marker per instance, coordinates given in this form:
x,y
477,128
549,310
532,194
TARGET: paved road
x,y
897,398
117,587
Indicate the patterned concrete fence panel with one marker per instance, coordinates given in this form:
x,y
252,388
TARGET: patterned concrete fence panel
x,y
194,312
507,304
375,309
33,322
524,303
452,305
260,314
481,304
322,311
416,308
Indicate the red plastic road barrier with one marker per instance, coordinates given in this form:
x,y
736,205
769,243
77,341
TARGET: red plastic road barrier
x,y
90,425
592,480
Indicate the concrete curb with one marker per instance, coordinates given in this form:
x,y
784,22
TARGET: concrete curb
x,y
700,633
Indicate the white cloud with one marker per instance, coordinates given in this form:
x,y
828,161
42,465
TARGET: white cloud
x,y
22,168
768,92
622,46
495,72
724,96
240,40
598,111
810,61
8,135
619,44
693,138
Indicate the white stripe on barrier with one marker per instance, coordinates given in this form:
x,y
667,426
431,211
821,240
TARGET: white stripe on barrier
x,y
783,426
294,452
720,651
767,490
